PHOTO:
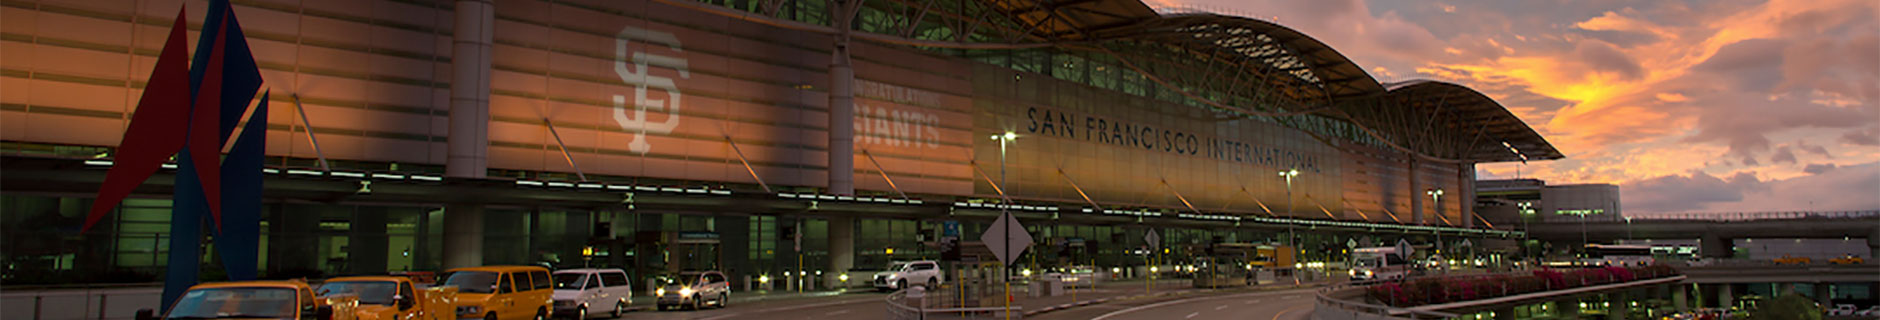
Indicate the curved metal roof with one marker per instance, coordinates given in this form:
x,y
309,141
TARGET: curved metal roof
x,y
1247,57
1499,135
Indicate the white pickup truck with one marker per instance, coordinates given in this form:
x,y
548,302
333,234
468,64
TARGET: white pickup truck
x,y
900,274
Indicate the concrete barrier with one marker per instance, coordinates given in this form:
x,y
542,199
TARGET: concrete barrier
x,y
77,304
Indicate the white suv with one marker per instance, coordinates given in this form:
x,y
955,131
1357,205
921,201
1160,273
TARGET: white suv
x,y
900,274
579,290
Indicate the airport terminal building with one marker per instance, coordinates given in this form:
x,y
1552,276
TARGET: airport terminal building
x,y
752,136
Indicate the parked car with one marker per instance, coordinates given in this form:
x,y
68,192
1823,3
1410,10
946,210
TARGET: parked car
x,y
1842,310
579,290
899,274
290,299
1869,312
1793,260
692,290
501,292
393,298
1848,259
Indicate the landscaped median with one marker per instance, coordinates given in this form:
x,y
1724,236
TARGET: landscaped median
x,y
1440,290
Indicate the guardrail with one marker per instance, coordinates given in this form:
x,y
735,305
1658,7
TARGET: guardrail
x,y
901,307
1753,216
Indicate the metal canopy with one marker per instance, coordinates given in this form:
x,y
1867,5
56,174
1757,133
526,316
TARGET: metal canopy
x,y
1236,67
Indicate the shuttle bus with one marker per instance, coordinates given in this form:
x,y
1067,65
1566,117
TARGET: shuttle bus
x,y
1617,255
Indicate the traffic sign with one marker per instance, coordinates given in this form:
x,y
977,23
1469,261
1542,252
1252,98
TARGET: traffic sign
x,y
1404,249
1465,244
1351,243
1154,241
1006,238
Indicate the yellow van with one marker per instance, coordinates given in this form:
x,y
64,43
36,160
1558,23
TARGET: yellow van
x,y
502,292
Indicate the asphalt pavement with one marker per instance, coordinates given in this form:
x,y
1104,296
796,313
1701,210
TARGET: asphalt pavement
x,y
1218,304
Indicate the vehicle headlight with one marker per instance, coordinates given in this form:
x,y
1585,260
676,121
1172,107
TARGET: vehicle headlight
x,y
891,276
685,291
1352,272
659,292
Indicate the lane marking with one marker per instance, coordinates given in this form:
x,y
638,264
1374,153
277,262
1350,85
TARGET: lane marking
x,y
837,312
1192,315
1171,302
807,306
1220,307
1283,312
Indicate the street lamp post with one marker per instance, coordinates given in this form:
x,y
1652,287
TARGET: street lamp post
x,y
1004,205
1290,233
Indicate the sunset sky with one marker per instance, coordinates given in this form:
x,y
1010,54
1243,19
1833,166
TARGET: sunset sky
x,y
1690,106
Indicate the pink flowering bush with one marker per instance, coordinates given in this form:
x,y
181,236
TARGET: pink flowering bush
x,y
1437,290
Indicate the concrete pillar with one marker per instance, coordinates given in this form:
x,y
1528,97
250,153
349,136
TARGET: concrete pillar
x,y
1713,246
841,108
1619,304
366,252
1567,309
841,251
470,90
1873,244
734,245
1824,293
1725,298
1465,198
1416,192
463,236
1679,301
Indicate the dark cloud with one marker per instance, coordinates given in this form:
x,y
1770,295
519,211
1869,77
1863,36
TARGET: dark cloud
x,y
1782,155
1818,168
1748,65
1826,187
1692,191
1804,146
1603,56
1868,137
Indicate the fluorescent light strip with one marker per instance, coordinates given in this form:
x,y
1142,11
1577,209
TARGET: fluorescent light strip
x,y
619,187
561,184
721,192
106,163
529,183
645,188
270,170
427,178
670,189
589,185
169,166
349,174
305,172
388,176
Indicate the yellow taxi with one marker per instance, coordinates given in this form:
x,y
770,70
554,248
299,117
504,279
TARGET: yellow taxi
x,y
290,299
394,297
502,292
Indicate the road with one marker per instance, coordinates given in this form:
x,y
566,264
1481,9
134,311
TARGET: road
x,y
1259,305
835,307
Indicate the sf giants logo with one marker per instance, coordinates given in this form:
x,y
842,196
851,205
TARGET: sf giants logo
x,y
632,70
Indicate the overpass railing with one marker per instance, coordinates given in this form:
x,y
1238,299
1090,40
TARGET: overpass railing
x,y
1753,216
916,303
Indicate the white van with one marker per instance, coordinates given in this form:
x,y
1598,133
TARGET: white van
x,y
1381,263
579,290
